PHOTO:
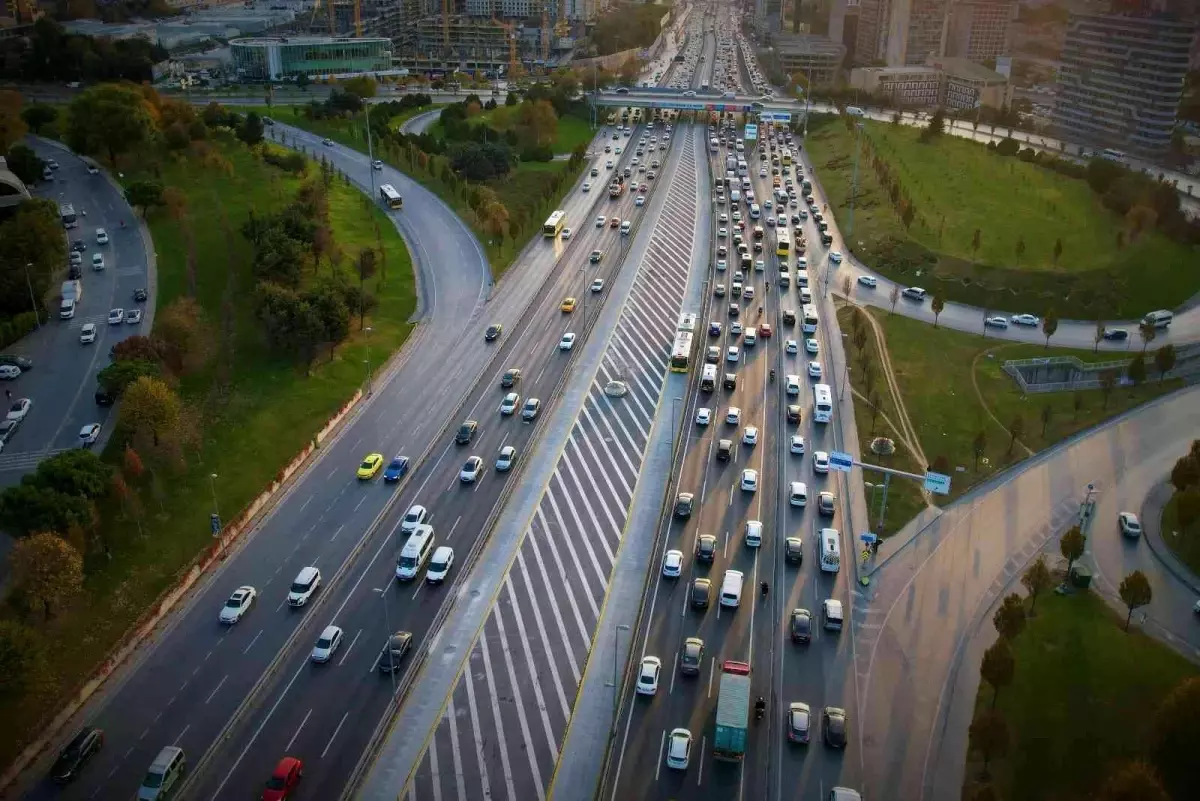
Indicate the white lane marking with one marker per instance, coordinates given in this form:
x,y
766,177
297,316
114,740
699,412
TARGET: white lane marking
x,y
700,767
180,737
433,770
350,648
335,734
712,671
220,684
456,754
479,742
299,729
498,721
306,503
339,528
662,744
537,691
361,501
456,522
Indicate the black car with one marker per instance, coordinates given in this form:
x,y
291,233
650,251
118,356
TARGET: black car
x,y
394,650
793,550
793,413
801,625
826,239
465,432
103,398
724,450
24,362
1116,335
699,593
825,503
72,759
493,332
140,295
706,548
691,656
74,272
789,315
510,378
833,723
683,504
730,381
78,245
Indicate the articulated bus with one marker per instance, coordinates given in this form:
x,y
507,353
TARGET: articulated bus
x,y
681,352
554,224
783,244
687,322
822,403
391,198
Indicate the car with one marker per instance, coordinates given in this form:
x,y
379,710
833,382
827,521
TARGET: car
x,y
700,592
706,548
415,516
679,744
648,673
19,409
327,142
733,354
714,329
72,759
724,450
814,369
719,289
722,233
101,236
530,411
684,502
820,462
800,625
616,389
238,605
87,334
566,234
327,644
750,436
97,261
1116,335
93,169
750,480
811,346
9,371
640,200
587,187
377,165
15,360
615,222
116,316
793,413
1130,525
791,347
89,434
914,293
439,565
75,259
78,246
510,377
796,445
835,257
734,311
567,342
733,415
1025,319
493,332
833,725
133,316
672,566
764,329
472,469
791,384
370,466
568,305
466,432
799,723
140,295
284,779
506,459
598,285
826,504
703,416
997,321
510,403
793,550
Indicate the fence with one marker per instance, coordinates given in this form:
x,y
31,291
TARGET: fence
x,y
1068,373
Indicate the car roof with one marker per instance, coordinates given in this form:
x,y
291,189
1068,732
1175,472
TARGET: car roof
x,y
329,631
306,574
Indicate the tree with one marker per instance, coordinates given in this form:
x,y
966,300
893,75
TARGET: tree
x,y
1135,592
181,336
27,508
1076,404
988,736
12,124
1133,781
74,472
1164,361
1148,331
251,129
47,572
1049,325
1071,546
110,119
32,236
1173,737
115,378
976,241
936,127
1016,429
1058,249
330,307
20,658
1185,473
1098,337
25,164
150,410
144,195
847,285
1187,507
1009,618
361,86
1135,371
1020,248
365,267
537,123
936,304
894,297
303,82
1108,382
1036,579
998,667
979,446
38,115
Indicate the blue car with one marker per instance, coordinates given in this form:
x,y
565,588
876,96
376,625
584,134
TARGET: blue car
x,y
396,469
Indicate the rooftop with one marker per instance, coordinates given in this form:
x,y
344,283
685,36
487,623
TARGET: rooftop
x,y
796,44
961,68
305,40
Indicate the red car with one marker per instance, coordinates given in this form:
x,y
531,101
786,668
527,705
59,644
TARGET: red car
x,y
764,330
284,780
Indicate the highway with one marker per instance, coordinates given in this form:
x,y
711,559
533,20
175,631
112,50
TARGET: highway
x,y
62,380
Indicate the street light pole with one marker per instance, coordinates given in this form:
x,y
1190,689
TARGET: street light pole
x,y
616,662
854,185
370,148
367,361
32,300
212,485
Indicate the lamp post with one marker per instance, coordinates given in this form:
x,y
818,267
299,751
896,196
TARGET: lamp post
x,y
32,300
616,662
872,488
370,147
387,624
367,362
215,517
854,185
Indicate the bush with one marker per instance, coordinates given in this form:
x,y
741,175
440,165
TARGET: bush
x,y
537,153
13,329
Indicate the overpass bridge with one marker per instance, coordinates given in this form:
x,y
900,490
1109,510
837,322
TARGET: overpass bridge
x,y
686,100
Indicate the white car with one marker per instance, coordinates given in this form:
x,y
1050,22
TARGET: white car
x,y
703,416
722,233
867,281
89,434
377,165
97,261
116,317
679,744
640,200
87,334
587,187
647,682
471,470
600,221
672,564
750,436
19,409
811,346
415,516
133,316
566,233
101,236
608,164
750,480
616,389
814,369
439,565
797,444
598,285
510,403
820,462
1025,319
238,605
9,371
998,321
792,383
327,644
791,347
1130,525
835,256
733,354
733,415
567,342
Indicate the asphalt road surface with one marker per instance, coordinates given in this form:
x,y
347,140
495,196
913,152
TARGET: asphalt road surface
x,y
62,380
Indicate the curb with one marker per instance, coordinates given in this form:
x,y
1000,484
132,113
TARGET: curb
x,y
1153,506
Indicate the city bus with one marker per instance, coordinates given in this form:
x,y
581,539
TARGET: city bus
x,y
687,322
787,157
554,224
391,198
783,244
681,352
67,213
1110,154
809,318
822,403
612,118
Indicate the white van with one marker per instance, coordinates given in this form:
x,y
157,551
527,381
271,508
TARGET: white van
x,y
1159,319
626,227
735,196
754,533
755,212
831,550
731,588
164,774
415,554
799,494
802,278
831,615
708,378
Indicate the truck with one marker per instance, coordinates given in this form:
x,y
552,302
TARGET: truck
x,y
733,712
72,293
616,188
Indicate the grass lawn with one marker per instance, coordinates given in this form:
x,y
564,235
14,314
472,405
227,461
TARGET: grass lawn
x,y
1185,543
572,131
947,412
1081,701
252,427
959,186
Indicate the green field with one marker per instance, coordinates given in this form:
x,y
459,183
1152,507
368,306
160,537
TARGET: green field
x,y
1184,542
952,398
253,425
572,131
1081,702
957,187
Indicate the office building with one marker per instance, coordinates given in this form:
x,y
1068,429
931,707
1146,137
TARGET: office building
x,y
1121,81
951,83
900,32
980,30
815,57
284,58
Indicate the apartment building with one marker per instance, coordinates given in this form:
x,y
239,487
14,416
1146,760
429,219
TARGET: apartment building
x,y
951,83
980,30
815,57
900,32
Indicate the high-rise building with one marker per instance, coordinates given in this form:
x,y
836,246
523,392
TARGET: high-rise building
x,y
900,32
870,35
980,30
1121,81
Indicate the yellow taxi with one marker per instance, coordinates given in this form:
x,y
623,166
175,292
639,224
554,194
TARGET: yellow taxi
x,y
370,466
568,305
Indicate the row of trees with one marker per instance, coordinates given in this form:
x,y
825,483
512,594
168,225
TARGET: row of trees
x,y
1185,478
625,27
49,53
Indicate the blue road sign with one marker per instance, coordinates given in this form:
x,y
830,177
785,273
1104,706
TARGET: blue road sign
x,y
938,483
215,520
868,537
751,132
840,460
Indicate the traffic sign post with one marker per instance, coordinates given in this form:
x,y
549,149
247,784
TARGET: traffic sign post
x,y
840,460
937,482
215,522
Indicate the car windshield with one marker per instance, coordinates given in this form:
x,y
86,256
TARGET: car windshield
x,y
16,407
437,566
324,642
234,602
366,463
408,561
412,517
153,780
276,783
299,587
